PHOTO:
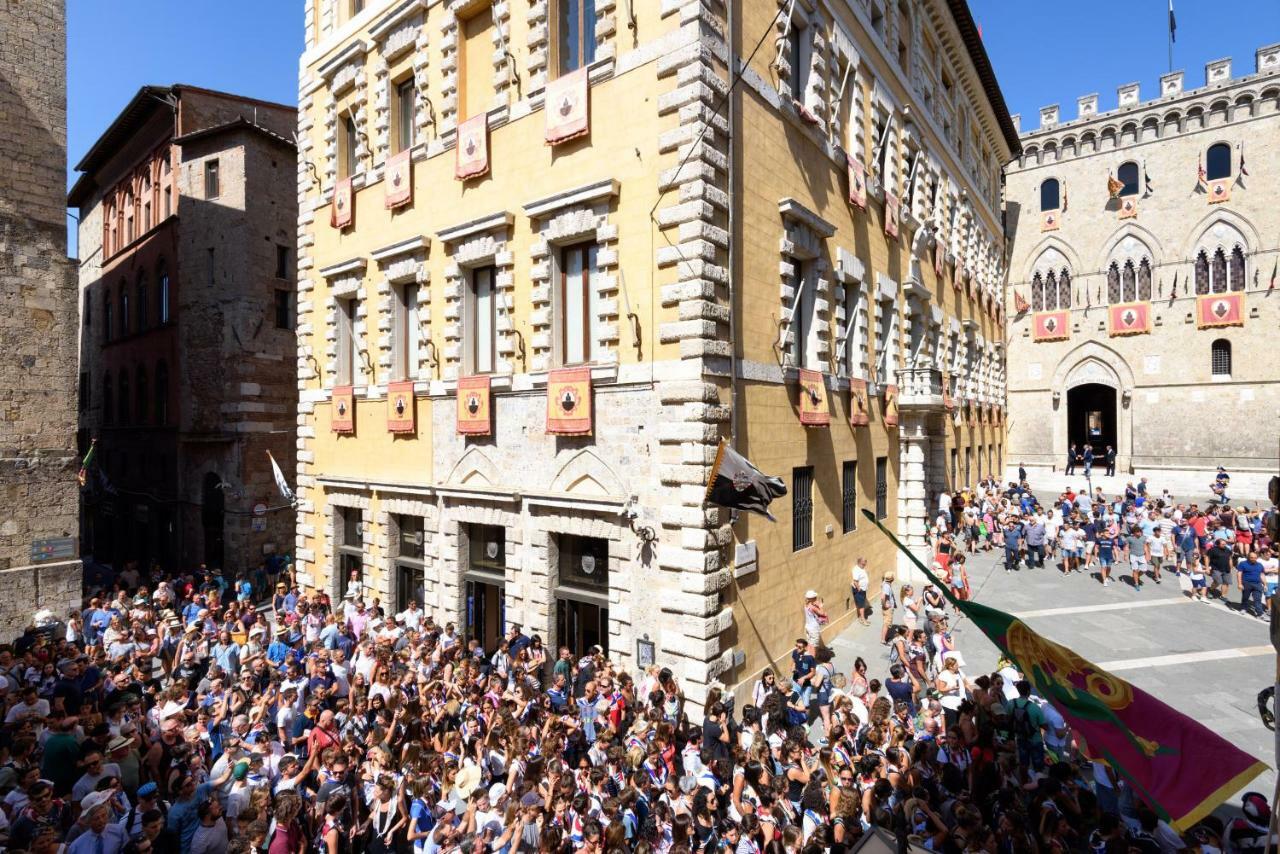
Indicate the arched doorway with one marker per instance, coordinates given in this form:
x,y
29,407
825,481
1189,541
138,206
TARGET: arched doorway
x,y
1091,416
212,515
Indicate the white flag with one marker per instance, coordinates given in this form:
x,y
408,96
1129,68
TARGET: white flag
x,y
281,483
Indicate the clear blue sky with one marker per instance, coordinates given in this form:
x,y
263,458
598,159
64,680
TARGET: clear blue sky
x,y
1043,52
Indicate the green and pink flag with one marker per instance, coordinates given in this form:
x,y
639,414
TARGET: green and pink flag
x,y
1180,767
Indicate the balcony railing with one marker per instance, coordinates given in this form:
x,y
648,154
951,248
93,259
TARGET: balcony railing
x,y
920,388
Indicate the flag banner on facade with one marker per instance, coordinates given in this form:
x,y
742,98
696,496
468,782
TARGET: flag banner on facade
x,y
1220,310
472,156
891,406
83,475
737,484
400,407
859,406
1050,326
342,213
857,182
960,273
813,399
569,402
1019,303
892,207
473,406
948,402
1049,221
398,183
1219,191
973,413
281,484
343,418
568,107
1114,186
1129,207
1180,767
939,254
1129,318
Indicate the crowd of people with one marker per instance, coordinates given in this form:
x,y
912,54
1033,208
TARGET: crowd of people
x,y
177,714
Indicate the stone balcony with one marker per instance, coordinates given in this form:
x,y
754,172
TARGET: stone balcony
x,y
920,390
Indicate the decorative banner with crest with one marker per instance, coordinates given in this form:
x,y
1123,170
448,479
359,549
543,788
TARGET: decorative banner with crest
x,y
857,182
813,399
939,254
473,406
569,402
342,213
1129,207
472,148
1219,191
400,407
343,419
1050,326
1129,318
891,406
859,406
891,214
1050,220
567,107
1220,310
398,182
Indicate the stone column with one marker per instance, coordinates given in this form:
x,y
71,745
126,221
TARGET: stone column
x,y
913,509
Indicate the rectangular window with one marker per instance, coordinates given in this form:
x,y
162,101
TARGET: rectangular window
x,y
801,508
146,216
882,487
584,562
849,495
164,296
347,156
108,330
476,64
282,261
212,185
487,548
349,548
87,320
405,332
346,341
405,118
579,304
576,45
284,309
482,322
800,54
968,467
168,202
803,304
955,468
128,228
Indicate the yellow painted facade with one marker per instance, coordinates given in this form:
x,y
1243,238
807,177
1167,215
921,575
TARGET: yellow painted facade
x,y
689,318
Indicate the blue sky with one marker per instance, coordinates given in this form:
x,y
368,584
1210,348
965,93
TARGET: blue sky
x,y
1043,52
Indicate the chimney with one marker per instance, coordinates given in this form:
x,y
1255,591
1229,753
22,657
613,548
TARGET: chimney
x,y
1171,83
1087,106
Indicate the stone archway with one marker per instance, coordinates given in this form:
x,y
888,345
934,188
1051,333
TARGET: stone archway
x,y
1095,365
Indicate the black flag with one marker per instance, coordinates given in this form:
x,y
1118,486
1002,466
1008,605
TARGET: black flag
x,y
1173,24
737,484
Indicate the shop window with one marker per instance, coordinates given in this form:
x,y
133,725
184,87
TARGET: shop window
x,y
801,508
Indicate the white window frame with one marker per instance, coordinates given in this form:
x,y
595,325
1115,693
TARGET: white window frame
x,y
480,300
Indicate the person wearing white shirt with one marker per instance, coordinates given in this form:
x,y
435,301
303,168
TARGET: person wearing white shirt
x,y
861,582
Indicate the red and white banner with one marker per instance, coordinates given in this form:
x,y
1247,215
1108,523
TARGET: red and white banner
x,y
859,406
1050,326
939,254
472,148
400,408
891,406
813,399
1219,191
343,415
567,107
473,406
343,211
1050,220
398,182
891,214
857,182
1129,318
569,402
1129,207
1220,310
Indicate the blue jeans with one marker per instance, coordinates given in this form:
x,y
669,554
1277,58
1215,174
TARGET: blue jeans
x,y
1010,558
1251,598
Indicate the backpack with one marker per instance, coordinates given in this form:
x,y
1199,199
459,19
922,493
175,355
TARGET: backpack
x,y
1023,728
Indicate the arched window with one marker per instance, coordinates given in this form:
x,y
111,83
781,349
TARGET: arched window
x,y
162,394
1130,290
141,307
1220,358
1064,289
1144,280
1202,274
162,277
108,399
122,406
1049,195
1051,291
1113,283
1217,161
1237,269
1127,174
142,396
1037,293
1218,279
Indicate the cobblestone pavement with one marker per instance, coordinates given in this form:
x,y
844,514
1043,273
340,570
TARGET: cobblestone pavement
x,y
1204,659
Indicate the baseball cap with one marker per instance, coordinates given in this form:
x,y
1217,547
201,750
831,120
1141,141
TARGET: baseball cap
x,y
146,790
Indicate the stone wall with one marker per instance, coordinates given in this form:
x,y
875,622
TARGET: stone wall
x,y
38,313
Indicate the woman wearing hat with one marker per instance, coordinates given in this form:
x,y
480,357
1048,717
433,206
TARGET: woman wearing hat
x,y
815,617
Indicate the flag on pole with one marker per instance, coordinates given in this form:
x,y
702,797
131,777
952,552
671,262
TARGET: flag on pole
x,y
1201,177
1272,286
1174,293
1180,767
1019,303
281,484
1146,178
1064,196
737,484
82,476
1173,24
1114,186
1244,173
